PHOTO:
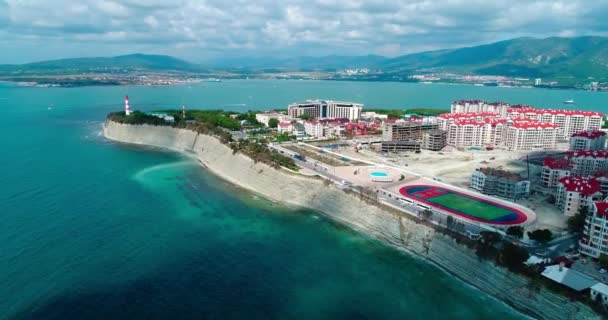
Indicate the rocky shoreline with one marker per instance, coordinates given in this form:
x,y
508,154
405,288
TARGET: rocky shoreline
x,y
349,209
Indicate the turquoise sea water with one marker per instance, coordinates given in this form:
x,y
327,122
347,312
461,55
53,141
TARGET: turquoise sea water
x,y
94,230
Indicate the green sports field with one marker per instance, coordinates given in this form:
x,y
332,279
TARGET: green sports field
x,y
472,207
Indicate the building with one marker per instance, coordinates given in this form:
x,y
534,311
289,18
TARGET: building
x,y
434,140
553,170
371,116
500,183
528,135
595,233
401,146
588,140
576,193
588,163
406,130
599,292
266,116
446,119
285,127
568,121
325,127
569,278
467,106
326,109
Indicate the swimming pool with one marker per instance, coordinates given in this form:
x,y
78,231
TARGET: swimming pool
x,y
378,174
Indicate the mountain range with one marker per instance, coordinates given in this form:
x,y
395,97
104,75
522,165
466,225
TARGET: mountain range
x,y
580,58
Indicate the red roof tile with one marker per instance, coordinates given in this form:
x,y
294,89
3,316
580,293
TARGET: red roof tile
x,y
583,185
602,208
556,163
590,134
587,153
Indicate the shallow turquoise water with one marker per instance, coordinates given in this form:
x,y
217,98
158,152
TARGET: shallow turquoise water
x,y
94,230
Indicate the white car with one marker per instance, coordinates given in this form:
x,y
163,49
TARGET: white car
x,y
602,270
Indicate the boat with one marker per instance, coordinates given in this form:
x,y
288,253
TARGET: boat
x,y
214,80
569,101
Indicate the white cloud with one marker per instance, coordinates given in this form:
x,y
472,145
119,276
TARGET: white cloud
x,y
197,29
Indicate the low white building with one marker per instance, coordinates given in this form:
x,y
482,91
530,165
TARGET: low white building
x,y
588,163
492,181
285,127
266,116
599,292
575,193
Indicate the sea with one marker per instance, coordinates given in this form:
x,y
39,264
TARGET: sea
x,y
91,229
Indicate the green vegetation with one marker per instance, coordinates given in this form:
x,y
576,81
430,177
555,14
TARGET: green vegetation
x,y
259,152
399,113
512,256
603,260
516,231
541,235
576,223
217,123
137,117
273,123
470,206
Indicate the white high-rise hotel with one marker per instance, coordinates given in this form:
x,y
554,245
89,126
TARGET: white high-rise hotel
x,y
326,109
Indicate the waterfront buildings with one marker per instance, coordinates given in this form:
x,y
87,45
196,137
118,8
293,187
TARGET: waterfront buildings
x,y
525,135
401,146
588,140
326,109
406,130
588,163
434,140
595,233
568,121
575,193
599,292
264,117
320,128
500,183
553,170
468,106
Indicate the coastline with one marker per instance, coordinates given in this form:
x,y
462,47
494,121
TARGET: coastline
x,y
349,209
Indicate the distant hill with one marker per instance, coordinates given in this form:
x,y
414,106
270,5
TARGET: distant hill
x,y
579,57
127,62
565,59
331,62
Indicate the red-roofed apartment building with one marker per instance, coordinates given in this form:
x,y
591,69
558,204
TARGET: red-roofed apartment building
x,y
588,163
575,193
568,121
553,170
588,140
595,234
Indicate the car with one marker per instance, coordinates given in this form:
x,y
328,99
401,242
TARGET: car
x,y
584,261
573,255
602,270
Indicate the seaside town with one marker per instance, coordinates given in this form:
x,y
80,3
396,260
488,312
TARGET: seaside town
x,y
549,165
536,178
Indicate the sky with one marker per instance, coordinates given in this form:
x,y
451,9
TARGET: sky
x,y
33,30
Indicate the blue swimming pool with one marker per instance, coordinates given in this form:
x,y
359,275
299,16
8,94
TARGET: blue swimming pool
x,y
378,174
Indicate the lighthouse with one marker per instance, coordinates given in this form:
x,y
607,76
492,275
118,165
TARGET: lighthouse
x,y
127,110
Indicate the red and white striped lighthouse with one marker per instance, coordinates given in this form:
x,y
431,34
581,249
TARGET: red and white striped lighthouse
x,y
127,110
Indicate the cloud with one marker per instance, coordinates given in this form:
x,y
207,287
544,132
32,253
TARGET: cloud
x,y
200,29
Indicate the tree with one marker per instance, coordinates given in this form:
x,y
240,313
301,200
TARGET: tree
x,y
489,238
512,256
516,231
603,260
426,214
576,223
273,123
541,235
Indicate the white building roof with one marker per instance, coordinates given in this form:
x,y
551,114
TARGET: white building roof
x,y
569,278
601,288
